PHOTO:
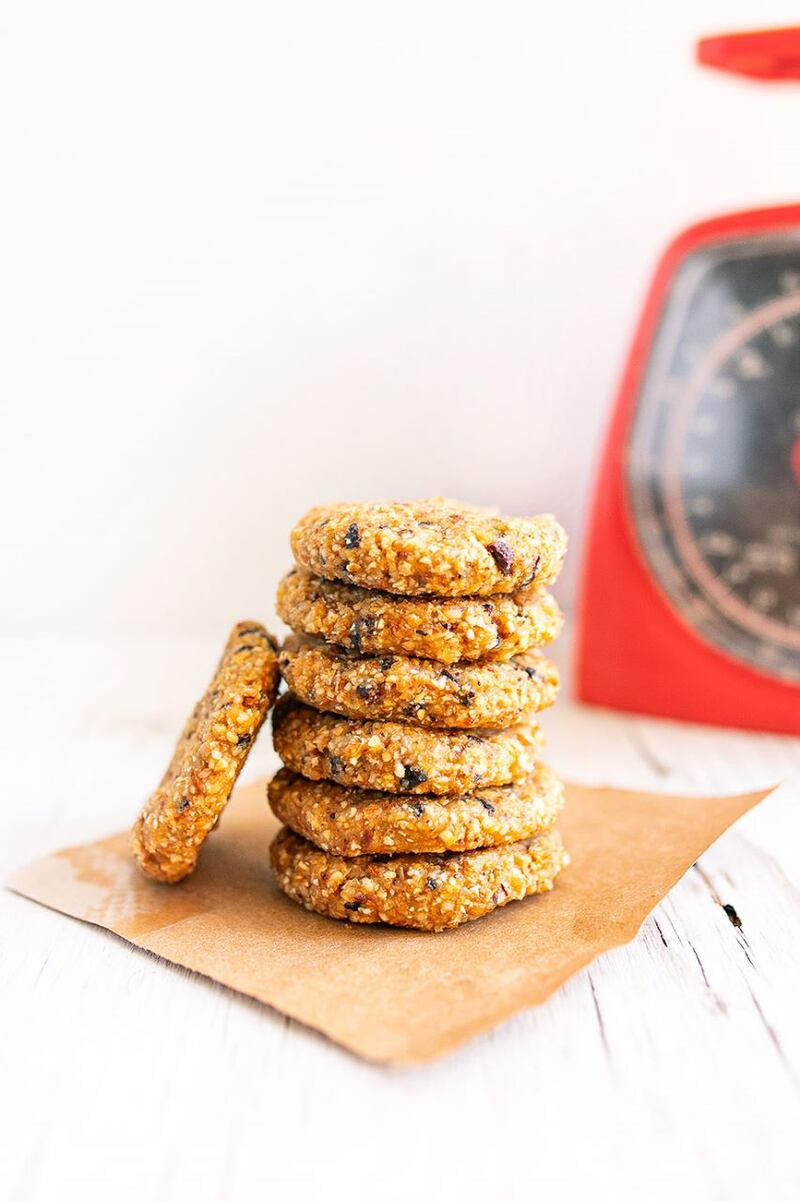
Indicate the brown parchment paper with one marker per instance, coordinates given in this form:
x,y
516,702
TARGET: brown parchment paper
x,y
394,996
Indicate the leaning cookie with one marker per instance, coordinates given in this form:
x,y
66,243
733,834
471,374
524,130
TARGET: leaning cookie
x,y
439,547
464,696
450,630
392,757
354,821
177,818
425,892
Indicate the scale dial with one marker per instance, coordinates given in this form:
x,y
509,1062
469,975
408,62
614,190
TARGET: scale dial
x,y
713,468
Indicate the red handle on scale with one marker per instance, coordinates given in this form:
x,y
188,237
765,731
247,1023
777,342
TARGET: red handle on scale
x,y
765,54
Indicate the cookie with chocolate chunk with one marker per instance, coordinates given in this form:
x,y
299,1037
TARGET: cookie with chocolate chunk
x,y
450,630
429,547
425,892
216,740
393,757
354,821
420,691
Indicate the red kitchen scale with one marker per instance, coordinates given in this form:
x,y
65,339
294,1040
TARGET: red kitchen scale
x,y
690,604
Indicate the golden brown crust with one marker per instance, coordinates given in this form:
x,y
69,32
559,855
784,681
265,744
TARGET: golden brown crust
x,y
213,747
393,757
449,630
425,892
422,547
351,821
462,696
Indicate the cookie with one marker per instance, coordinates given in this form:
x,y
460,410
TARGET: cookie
x,y
177,818
464,696
425,892
449,630
392,757
352,821
422,547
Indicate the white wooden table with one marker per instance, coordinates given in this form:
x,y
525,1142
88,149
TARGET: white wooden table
x,y
670,1068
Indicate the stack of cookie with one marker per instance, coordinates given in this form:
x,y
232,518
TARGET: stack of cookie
x,y
413,791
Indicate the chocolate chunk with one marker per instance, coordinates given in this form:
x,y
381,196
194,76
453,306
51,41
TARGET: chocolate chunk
x,y
353,905
183,804
244,739
386,663
360,627
417,808
431,884
466,696
531,672
488,806
353,536
412,777
365,691
336,765
502,554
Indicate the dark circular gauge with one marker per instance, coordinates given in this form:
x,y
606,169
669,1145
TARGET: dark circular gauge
x,y
714,458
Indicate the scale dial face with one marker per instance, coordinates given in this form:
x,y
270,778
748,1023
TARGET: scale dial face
x,y
713,466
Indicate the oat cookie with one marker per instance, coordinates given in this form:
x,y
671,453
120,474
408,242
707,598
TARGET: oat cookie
x,y
175,821
391,757
426,892
449,630
397,688
439,547
352,821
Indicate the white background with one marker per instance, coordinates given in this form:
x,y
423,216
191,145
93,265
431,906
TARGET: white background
x,y
256,256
